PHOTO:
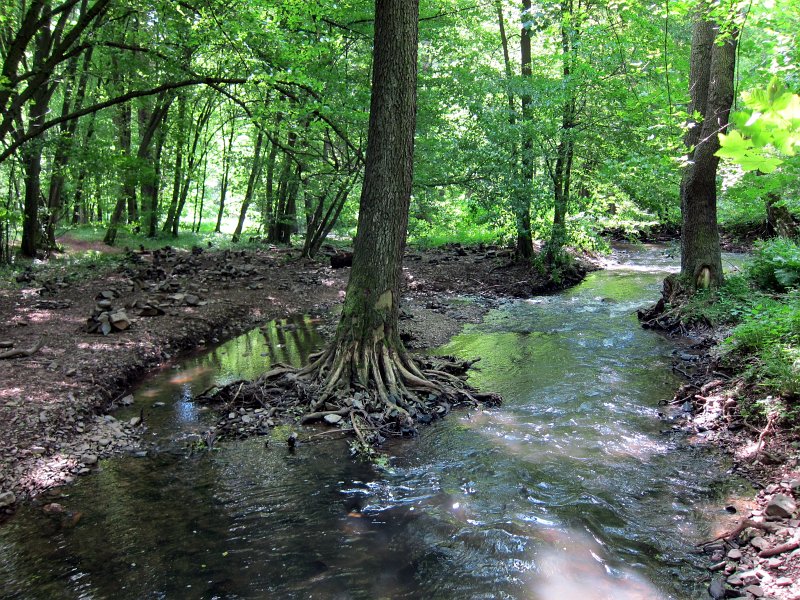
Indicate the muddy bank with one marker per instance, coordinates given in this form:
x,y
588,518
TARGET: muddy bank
x,y
54,404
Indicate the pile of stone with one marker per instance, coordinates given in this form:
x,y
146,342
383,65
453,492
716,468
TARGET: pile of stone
x,y
105,318
763,560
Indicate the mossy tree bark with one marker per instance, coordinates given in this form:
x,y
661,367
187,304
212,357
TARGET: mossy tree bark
x,y
711,84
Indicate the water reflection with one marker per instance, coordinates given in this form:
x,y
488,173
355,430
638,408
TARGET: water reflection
x,y
569,490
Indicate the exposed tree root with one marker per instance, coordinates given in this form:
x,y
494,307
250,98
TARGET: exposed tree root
x,y
23,353
373,392
745,524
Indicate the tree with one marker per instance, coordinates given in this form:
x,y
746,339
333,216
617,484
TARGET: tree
x,y
711,82
366,373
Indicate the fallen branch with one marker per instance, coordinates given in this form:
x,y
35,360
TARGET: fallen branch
x,y
768,527
23,353
780,548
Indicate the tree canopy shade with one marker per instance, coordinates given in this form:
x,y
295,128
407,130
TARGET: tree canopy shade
x,y
539,124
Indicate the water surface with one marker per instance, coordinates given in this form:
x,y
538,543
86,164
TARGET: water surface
x,y
574,488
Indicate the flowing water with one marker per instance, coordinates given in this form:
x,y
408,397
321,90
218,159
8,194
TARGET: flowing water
x,y
574,489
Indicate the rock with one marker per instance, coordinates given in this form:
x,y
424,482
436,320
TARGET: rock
x,y
759,542
38,450
332,419
7,499
781,506
191,300
43,417
784,581
127,400
54,508
119,320
717,588
89,459
756,590
104,304
735,554
247,419
135,421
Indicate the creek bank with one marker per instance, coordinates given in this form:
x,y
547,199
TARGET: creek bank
x,y
758,556
55,403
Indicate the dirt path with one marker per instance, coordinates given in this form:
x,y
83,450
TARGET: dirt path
x,y
56,405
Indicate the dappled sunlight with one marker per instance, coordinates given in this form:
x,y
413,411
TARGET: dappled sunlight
x,y
48,472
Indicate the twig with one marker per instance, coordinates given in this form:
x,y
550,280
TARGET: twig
x,y
768,527
22,353
317,416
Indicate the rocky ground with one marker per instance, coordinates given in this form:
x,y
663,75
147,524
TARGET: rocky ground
x,y
756,553
75,341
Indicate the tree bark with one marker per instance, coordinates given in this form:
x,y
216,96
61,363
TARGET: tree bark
x,y
367,351
701,261
522,203
255,172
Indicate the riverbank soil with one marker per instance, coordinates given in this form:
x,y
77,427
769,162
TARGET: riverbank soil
x,y
756,553
75,340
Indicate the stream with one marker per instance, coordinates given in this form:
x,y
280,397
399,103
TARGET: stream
x,y
574,488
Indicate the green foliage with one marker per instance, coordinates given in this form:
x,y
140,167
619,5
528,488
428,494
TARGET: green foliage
x,y
769,125
726,305
768,342
776,265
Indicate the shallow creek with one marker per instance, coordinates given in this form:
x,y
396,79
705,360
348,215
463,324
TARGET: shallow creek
x,y
574,489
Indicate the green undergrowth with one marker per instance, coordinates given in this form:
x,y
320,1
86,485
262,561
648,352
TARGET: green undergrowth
x,y
761,308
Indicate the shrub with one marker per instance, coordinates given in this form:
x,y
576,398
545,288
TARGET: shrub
x,y
776,265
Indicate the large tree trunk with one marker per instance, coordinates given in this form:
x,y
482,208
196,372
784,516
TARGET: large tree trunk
x,y
701,262
227,151
367,351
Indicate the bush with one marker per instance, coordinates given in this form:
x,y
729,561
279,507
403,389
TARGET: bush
x,y
768,339
776,265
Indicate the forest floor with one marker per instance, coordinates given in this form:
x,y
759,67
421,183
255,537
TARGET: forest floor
x,y
57,397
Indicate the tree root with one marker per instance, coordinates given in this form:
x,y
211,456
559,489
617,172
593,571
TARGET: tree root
x,y
23,353
377,392
744,524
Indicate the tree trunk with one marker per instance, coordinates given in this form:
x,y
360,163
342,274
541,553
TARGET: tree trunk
x,y
226,169
255,172
522,203
127,197
178,175
562,174
701,262
367,351
32,152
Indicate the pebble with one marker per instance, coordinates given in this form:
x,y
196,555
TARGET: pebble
x,y
135,421
735,554
759,542
784,581
7,499
37,450
333,419
89,459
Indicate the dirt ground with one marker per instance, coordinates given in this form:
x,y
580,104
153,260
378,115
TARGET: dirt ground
x,y
55,404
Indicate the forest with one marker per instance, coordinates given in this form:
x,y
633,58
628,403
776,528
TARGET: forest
x,y
415,207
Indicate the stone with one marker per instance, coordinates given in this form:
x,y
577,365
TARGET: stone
x,y
104,441
38,450
735,554
784,581
54,508
756,590
717,588
7,499
247,419
127,400
735,580
759,542
119,320
89,459
135,421
332,419
781,506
